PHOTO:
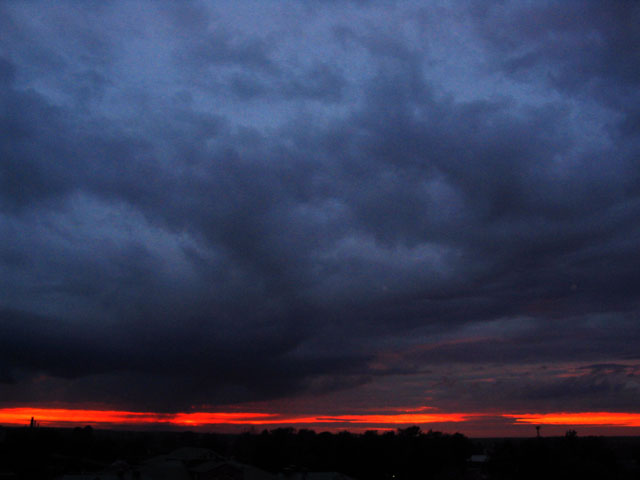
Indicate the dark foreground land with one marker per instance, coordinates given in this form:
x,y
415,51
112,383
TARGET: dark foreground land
x,y
85,453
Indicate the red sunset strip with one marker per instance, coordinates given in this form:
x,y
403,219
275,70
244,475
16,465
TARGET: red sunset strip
x,y
409,418
620,419
46,416
59,416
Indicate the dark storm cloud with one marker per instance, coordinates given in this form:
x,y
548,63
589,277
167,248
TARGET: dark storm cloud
x,y
558,390
186,368
210,210
577,42
584,49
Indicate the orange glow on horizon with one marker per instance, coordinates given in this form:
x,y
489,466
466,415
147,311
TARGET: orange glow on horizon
x,y
53,416
60,416
73,417
618,419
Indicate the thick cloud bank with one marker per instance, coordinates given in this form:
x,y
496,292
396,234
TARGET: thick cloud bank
x,y
385,203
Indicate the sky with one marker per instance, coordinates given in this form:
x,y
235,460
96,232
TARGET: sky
x,y
343,213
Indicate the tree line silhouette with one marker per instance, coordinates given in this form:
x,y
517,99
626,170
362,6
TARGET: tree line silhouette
x,y
407,453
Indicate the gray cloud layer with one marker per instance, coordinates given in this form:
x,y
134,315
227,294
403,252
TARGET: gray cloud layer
x,y
208,204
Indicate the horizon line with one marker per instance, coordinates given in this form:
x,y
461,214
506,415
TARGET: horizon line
x,y
69,417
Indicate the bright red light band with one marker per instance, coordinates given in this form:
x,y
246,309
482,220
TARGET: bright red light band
x,y
57,416
68,417
619,419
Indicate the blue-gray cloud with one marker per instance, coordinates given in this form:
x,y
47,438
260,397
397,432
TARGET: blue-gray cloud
x,y
203,204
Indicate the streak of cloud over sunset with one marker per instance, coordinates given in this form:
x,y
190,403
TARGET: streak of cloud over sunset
x,y
321,214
